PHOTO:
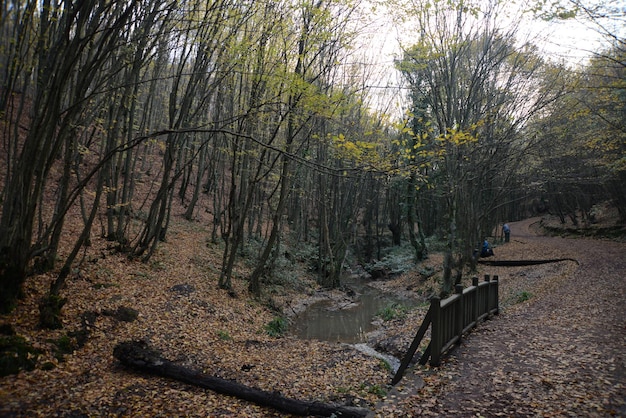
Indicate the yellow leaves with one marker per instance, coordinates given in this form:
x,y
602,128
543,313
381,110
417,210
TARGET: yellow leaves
x,y
605,145
423,149
408,131
458,137
83,150
361,152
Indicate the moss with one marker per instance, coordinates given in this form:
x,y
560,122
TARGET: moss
x,y
50,311
16,354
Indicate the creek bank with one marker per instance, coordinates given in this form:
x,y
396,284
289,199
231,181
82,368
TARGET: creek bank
x,y
416,282
357,307
348,314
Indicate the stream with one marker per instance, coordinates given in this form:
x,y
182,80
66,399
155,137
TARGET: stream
x,y
349,320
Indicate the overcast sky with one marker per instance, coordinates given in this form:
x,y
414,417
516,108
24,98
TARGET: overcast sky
x,y
571,41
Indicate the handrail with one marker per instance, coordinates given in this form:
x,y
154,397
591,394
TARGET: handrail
x,y
450,319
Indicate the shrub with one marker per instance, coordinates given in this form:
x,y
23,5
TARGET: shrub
x,y
386,365
377,390
50,311
393,311
373,389
64,345
522,296
276,327
122,313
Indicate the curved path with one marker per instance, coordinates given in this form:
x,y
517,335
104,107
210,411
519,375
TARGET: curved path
x,y
560,353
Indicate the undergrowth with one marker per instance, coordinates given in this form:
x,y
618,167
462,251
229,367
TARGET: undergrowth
x,y
393,311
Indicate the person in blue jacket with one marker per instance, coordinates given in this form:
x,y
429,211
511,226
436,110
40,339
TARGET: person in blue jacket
x,y
486,250
507,232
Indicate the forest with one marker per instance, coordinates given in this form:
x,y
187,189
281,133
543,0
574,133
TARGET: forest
x,y
262,117
181,173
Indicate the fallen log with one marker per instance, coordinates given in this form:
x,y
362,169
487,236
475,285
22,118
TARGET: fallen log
x,y
141,357
515,263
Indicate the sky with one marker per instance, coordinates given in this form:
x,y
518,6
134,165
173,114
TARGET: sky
x,y
570,41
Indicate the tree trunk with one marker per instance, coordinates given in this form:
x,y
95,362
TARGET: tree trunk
x,y
139,356
196,190
418,247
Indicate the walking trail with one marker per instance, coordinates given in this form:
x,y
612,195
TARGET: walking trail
x,y
562,352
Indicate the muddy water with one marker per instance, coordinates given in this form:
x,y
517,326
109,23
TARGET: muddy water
x,y
347,321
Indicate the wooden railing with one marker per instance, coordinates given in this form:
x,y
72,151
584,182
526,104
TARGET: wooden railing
x,y
452,318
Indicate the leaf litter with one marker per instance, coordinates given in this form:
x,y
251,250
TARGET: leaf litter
x,y
557,351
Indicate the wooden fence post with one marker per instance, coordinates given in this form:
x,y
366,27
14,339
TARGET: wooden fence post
x,y
487,306
460,313
435,331
476,299
497,294
413,348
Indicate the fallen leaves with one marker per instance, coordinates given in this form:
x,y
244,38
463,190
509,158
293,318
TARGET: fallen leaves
x,y
557,353
179,308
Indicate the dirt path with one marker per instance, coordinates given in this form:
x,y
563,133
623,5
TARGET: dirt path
x,y
562,352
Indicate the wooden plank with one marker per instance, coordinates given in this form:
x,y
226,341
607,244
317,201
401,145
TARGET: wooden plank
x,y
414,345
424,358
436,333
449,344
469,327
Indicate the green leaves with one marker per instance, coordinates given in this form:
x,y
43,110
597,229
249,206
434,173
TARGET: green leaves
x,y
276,327
393,311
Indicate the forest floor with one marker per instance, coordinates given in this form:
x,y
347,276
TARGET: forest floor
x,y
555,349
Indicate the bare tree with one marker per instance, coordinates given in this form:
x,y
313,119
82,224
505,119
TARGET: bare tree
x,y
70,36
473,90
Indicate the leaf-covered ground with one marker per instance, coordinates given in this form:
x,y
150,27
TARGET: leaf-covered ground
x,y
556,349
